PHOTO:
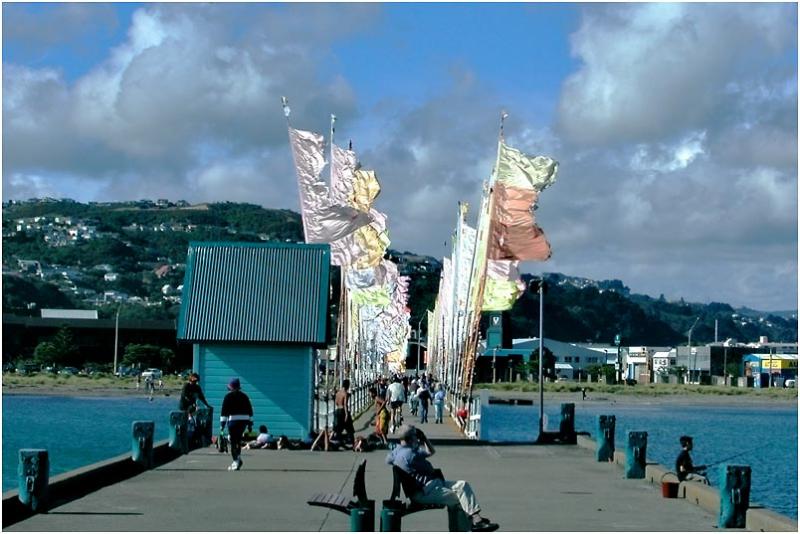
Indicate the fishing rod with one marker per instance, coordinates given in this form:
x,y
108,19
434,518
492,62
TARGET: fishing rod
x,y
734,456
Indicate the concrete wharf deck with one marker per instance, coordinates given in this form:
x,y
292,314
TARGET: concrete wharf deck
x,y
522,487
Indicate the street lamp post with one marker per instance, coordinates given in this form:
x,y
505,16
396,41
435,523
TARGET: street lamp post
x,y
116,340
494,365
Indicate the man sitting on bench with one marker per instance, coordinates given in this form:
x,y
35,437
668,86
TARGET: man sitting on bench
x,y
411,456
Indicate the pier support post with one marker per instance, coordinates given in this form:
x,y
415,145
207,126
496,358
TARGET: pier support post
x,y
734,495
178,438
34,478
142,443
606,425
566,428
362,518
636,455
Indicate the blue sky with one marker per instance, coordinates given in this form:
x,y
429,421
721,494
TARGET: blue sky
x,y
675,125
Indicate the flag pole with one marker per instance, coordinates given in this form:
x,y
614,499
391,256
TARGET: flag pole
x,y
475,330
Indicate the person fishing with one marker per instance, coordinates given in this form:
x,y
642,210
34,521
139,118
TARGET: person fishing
x,y
684,467
192,393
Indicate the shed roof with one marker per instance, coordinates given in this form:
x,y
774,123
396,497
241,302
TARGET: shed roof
x,y
255,292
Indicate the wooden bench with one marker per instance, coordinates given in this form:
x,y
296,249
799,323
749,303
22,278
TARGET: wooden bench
x,y
341,503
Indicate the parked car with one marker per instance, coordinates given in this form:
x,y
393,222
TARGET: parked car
x,y
791,383
69,371
153,373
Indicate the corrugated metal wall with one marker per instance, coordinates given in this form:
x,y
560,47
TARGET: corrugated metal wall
x,y
255,292
277,379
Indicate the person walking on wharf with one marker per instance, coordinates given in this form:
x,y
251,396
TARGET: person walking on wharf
x,y
438,403
411,456
684,467
237,414
191,393
424,396
342,418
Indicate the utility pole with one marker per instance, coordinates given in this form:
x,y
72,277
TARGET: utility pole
x,y
116,340
694,361
618,342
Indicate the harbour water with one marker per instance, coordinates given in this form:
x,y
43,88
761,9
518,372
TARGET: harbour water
x,y
762,436
76,431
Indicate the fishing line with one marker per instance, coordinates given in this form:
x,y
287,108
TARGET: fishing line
x,y
734,456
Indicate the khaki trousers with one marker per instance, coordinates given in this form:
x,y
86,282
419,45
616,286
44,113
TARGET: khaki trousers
x,y
457,496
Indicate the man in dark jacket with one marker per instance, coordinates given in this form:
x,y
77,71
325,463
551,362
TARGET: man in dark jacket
x,y
237,414
191,393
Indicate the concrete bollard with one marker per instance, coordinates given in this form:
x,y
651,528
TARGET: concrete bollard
x,y
33,471
362,519
734,495
178,436
566,428
635,455
605,438
142,443
205,424
391,516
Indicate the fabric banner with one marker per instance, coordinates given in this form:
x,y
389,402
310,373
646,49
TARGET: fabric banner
x,y
521,171
515,235
324,221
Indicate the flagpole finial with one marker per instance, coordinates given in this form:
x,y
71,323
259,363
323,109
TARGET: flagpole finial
x,y
286,109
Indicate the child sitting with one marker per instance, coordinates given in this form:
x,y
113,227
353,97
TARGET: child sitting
x,y
262,441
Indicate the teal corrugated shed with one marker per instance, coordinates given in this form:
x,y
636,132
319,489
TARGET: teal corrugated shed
x,y
255,292
276,378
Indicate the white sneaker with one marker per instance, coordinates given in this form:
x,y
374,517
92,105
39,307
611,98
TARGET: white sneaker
x,y
233,467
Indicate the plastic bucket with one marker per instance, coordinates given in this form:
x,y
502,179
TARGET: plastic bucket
x,y
669,490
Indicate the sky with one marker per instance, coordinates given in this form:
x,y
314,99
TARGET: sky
x,y
674,125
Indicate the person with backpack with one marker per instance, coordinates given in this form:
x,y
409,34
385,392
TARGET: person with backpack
x,y
424,397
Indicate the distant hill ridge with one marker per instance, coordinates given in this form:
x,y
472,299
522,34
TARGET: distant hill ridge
x,y
140,237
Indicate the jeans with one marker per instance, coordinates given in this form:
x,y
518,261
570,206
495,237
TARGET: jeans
x,y
423,417
439,407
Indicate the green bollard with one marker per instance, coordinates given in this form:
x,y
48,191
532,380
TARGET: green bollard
x,y
362,519
734,495
391,517
205,424
142,443
34,478
605,438
178,438
566,428
636,455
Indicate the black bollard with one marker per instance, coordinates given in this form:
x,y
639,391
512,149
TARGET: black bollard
x,y
605,438
734,495
142,443
635,455
566,428
33,471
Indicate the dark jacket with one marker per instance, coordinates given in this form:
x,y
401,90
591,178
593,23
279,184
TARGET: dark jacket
x,y
190,394
236,407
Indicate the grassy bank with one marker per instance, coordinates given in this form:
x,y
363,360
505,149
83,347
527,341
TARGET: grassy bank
x,y
646,390
40,382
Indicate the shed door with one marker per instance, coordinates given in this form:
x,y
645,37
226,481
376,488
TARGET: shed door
x,y
277,380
